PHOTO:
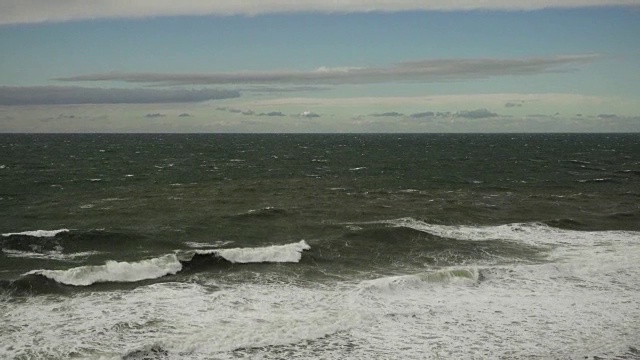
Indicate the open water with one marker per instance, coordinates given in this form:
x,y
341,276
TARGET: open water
x,y
320,246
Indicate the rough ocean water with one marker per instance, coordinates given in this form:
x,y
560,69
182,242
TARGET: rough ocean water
x,y
320,246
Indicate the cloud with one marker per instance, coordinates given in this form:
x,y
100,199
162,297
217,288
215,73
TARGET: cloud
x,y
272,113
431,70
308,114
281,89
387,114
236,110
155,115
513,104
476,114
607,116
34,11
62,95
185,115
422,114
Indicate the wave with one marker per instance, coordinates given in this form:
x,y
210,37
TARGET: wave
x,y
37,233
274,254
268,211
51,242
114,271
50,255
154,351
533,234
200,245
451,276
596,180
171,264
36,242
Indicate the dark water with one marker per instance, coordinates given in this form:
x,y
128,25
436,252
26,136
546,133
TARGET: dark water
x,y
198,214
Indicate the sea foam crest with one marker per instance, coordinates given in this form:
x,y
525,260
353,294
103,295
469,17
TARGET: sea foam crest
x,y
536,234
50,255
276,253
38,233
451,276
114,271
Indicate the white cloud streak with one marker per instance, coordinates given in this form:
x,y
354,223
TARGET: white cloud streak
x,y
36,11
414,71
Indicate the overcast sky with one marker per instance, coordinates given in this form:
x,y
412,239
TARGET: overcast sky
x,y
319,66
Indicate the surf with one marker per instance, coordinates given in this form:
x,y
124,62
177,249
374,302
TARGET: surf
x,y
171,264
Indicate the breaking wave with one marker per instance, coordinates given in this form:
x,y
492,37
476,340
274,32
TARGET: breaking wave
x,y
534,234
171,264
37,233
114,271
273,254
50,255
264,212
392,283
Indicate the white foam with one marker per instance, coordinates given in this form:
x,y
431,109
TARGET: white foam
x,y
276,253
580,303
114,271
50,255
421,280
185,319
535,234
199,245
38,233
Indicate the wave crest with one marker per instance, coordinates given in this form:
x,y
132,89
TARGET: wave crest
x,y
533,234
37,233
275,254
114,271
392,283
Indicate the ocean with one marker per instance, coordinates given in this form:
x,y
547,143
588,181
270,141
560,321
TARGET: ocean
x,y
320,246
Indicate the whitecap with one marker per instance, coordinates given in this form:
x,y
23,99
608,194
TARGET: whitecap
x,y
51,255
199,245
450,276
536,234
38,233
114,271
276,253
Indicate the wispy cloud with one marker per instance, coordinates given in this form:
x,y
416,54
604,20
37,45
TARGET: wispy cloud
x,y
272,113
33,11
387,114
485,100
155,115
62,95
413,71
424,114
308,114
476,114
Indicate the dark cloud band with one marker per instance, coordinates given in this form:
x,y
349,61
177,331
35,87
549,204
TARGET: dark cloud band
x,y
61,95
415,71
34,11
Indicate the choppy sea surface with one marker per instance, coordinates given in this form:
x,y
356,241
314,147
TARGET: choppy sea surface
x,y
320,246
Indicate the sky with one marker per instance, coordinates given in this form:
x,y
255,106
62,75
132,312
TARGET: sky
x,y
319,66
